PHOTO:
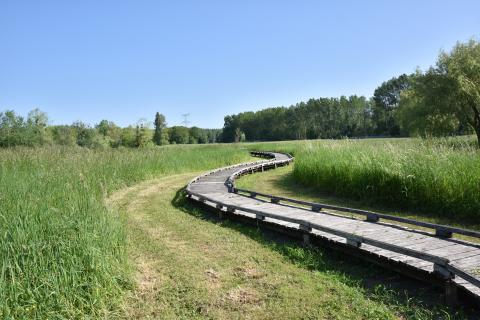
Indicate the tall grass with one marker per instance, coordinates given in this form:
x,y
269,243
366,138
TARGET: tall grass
x,y
62,254
438,177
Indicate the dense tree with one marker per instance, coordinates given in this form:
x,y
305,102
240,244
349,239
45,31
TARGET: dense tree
x,y
64,135
110,133
37,122
127,137
12,129
316,118
445,98
420,112
159,137
143,137
198,135
104,126
386,101
460,71
179,135
84,134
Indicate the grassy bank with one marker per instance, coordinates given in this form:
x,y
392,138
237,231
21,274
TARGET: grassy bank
x,y
62,254
432,177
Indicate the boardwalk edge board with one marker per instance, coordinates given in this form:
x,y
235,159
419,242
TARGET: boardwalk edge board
x,y
442,267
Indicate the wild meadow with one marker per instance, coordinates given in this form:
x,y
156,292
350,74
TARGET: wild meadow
x,y
435,177
65,254
62,252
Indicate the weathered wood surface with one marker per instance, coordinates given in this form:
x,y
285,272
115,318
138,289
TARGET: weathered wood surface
x,y
448,257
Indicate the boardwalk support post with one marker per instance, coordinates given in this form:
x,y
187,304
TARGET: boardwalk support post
x,y
259,218
220,212
451,294
442,271
372,217
443,233
451,290
316,208
354,242
230,210
306,233
274,200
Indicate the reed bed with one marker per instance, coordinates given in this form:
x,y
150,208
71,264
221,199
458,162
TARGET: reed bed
x,y
435,177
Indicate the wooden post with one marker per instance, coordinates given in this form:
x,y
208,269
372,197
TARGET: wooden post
x,y
306,239
443,233
259,217
451,294
353,243
372,217
306,233
220,212
451,290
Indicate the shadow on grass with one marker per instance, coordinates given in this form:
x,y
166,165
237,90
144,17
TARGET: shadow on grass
x,y
408,296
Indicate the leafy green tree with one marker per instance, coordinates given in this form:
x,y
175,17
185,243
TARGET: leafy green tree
x,y
103,127
314,119
127,137
160,125
110,133
198,135
179,135
416,118
446,97
386,101
143,136
12,129
460,70
37,122
64,135
84,133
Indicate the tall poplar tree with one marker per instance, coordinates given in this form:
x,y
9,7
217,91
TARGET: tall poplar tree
x,y
160,125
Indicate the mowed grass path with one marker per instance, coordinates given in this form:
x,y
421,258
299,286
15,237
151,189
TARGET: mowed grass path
x,y
190,265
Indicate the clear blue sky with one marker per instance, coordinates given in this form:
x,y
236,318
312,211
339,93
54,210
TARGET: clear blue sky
x,y
125,60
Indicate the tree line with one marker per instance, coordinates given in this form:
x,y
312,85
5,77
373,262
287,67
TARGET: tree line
x,y
34,130
441,101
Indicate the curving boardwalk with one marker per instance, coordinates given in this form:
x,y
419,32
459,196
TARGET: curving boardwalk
x,y
433,256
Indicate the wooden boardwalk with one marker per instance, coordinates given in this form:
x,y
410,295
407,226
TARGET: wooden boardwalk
x,y
433,255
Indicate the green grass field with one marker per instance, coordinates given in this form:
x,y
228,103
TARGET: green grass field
x,y
65,254
62,253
